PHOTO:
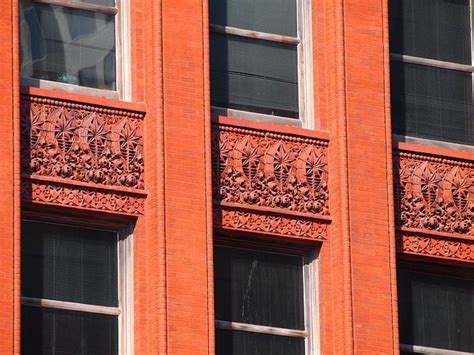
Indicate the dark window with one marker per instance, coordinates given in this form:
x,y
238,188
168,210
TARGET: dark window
x,y
69,281
69,45
436,311
255,75
259,290
431,69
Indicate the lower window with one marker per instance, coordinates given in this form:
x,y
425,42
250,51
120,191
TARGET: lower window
x,y
261,302
73,290
435,313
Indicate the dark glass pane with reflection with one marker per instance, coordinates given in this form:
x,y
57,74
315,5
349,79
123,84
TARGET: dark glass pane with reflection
x,y
435,29
271,16
52,331
436,311
69,264
431,103
254,75
259,288
247,343
67,45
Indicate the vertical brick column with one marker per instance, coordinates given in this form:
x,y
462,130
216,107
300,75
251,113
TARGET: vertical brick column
x,y
369,181
9,187
186,148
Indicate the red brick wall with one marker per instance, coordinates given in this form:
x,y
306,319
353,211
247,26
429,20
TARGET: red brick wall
x,y
186,155
9,181
369,177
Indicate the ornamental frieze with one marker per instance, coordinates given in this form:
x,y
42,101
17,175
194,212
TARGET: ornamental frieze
x,y
81,155
436,246
434,193
270,182
81,142
270,170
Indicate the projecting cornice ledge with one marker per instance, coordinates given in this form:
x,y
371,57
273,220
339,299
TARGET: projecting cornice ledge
x,y
434,203
81,152
270,180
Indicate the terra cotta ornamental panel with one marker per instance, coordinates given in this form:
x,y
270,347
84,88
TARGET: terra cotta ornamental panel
x,y
434,201
81,155
270,182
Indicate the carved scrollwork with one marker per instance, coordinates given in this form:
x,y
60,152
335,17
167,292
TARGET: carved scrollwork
x,y
270,170
270,183
80,142
273,224
89,198
436,246
434,194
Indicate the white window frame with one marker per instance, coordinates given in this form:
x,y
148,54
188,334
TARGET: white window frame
x,y
305,69
121,10
124,311
397,57
310,299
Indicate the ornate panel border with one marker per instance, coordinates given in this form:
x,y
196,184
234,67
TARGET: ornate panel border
x,y
434,205
269,182
436,246
80,154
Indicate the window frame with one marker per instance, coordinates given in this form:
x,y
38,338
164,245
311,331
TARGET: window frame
x,y
303,43
124,310
310,292
403,58
121,11
439,270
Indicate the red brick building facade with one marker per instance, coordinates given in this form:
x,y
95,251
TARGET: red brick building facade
x,y
181,177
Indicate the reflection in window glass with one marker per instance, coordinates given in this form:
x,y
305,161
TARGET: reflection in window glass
x,y
436,311
68,45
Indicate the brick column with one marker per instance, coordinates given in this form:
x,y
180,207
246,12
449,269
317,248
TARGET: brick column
x,y
186,162
369,178
9,180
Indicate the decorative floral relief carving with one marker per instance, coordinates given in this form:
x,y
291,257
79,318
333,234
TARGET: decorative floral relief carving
x,y
82,142
82,197
433,193
270,170
267,223
435,246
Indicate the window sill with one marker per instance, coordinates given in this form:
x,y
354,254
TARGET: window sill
x,y
433,147
70,88
84,99
256,117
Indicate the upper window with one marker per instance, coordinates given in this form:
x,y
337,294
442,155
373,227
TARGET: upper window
x,y
260,302
260,60
72,43
431,69
436,313
73,288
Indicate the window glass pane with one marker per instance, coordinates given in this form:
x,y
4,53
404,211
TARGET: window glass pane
x,y
431,103
271,16
247,343
67,45
253,75
69,264
436,311
53,331
259,288
436,29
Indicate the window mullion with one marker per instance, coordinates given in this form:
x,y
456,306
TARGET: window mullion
x,y
254,34
431,62
254,328
70,306
81,6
